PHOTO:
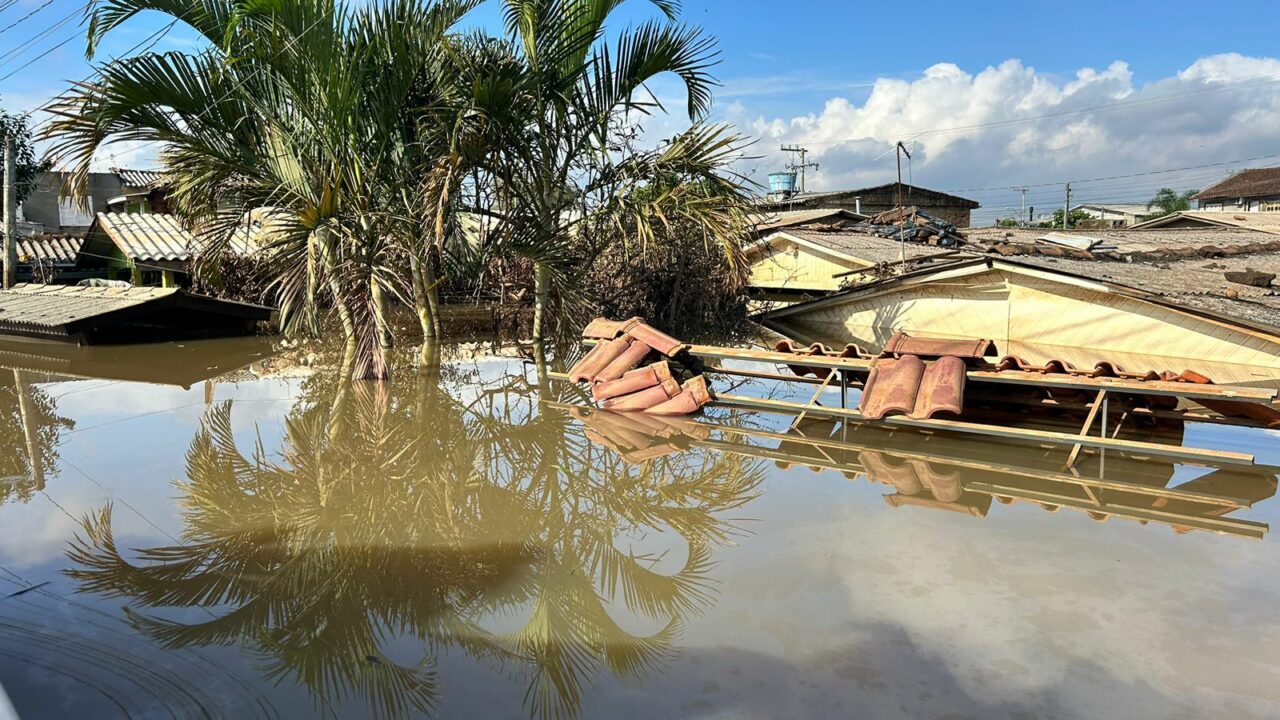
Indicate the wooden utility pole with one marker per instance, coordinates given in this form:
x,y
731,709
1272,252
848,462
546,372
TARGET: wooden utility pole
x,y
10,211
1066,208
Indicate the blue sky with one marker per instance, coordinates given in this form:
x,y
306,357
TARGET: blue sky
x,y
848,79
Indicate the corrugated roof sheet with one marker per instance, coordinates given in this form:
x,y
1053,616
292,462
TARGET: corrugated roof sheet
x,y
141,178
1256,182
59,249
49,306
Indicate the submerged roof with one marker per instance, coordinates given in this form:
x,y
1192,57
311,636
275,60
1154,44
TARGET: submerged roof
x,y
1267,222
73,312
858,246
776,219
1194,286
1255,182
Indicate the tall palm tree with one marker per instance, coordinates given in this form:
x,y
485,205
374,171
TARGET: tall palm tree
x,y
541,146
293,105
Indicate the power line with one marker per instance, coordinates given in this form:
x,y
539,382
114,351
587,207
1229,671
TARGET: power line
x,y
152,39
20,49
46,53
20,20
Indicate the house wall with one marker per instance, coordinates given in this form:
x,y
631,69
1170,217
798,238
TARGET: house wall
x,y
1039,319
1262,203
788,265
42,206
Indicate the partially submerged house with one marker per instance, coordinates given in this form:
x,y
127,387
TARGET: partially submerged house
x,y
1079,311
106,315
150,248
1114,214
873,200
1262,221
768,221
1252,190
796,262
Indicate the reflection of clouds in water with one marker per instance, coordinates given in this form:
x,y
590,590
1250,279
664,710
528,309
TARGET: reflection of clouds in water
x,y
257,401
131,438
1014,611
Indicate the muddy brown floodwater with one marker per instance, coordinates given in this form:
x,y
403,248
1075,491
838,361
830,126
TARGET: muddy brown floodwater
x,y
199,530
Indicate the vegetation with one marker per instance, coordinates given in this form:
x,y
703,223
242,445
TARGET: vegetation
x,y
1077,216
394,155
1169,201
29,168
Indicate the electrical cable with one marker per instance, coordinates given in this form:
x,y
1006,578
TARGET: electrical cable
x,y
22,19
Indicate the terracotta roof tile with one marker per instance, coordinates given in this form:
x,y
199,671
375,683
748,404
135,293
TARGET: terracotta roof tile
x,y
1246,183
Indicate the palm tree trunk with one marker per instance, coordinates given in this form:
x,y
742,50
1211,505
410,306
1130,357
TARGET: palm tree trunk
x,y
541,292
373,367
426,302
381,312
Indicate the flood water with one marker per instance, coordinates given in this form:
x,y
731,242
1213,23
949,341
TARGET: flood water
x,y
203,530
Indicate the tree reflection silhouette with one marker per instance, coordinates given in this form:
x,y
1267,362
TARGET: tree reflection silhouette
x,y
426,511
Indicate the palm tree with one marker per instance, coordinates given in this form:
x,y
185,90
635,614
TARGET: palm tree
x,y
1168,201
541,146
295,106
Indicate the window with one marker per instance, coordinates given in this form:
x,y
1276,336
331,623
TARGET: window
x,y
1271,206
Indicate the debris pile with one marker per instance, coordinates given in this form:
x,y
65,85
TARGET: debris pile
x,y
909,224
912,224
625,374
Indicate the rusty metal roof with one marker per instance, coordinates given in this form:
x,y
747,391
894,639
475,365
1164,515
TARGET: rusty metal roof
x,y
149,179
58,249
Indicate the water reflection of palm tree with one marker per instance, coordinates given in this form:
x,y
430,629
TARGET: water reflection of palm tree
x,y
411,516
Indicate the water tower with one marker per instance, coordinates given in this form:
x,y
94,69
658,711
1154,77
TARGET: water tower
x,y
782,185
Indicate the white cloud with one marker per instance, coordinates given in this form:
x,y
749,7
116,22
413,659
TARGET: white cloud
x,y
1009,124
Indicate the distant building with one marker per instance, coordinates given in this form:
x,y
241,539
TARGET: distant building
x,y
1115,214
121,190
872,200
1255,190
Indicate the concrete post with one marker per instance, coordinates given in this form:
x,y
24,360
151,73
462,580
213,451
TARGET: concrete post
x,y
10,211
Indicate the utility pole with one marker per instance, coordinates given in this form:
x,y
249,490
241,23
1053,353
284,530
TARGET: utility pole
x,y
1066,208
902,240
1023,213
10,211
802,165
